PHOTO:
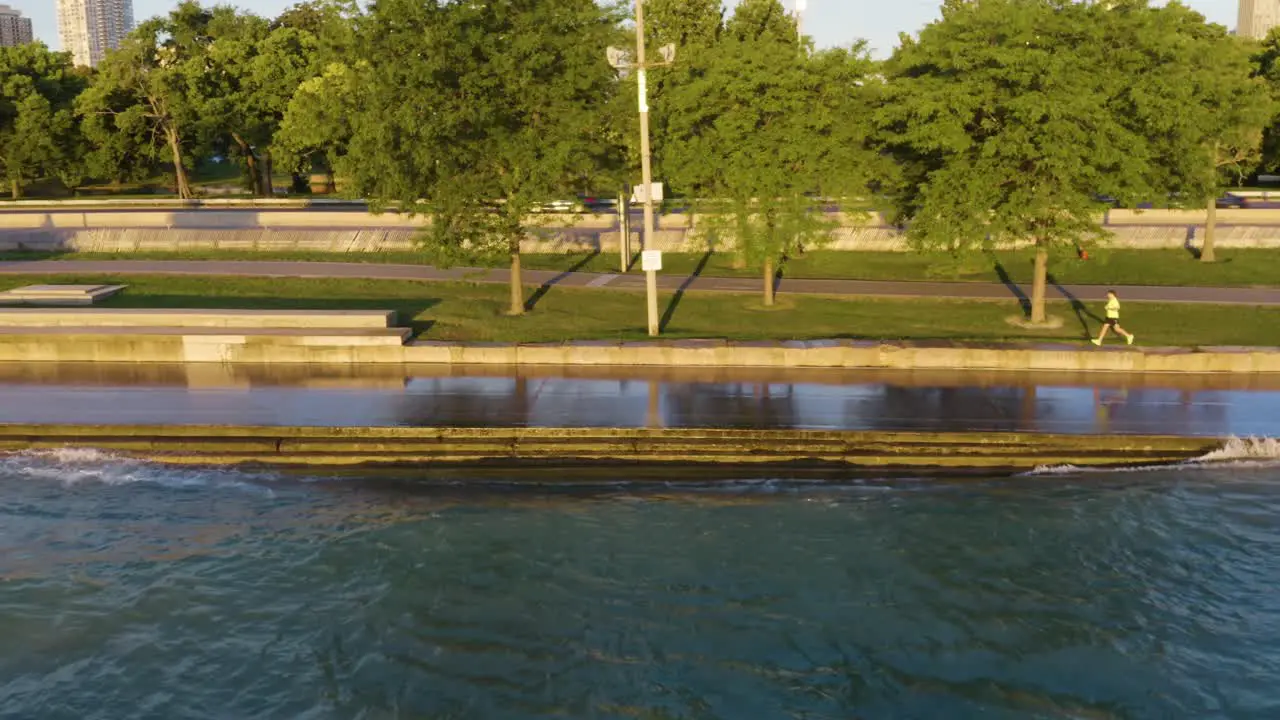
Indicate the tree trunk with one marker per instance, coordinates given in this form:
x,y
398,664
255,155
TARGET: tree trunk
x,y
517,287
268,172
330,182
1210,226
255,179
15,189
768,282
1038,285
179,172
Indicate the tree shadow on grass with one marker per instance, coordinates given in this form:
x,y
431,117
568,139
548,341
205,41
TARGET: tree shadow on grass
x,y
1023,301
679,294
1190,243
1079,308
545,287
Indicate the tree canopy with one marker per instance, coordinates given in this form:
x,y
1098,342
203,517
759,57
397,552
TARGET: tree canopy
x,y
1003,122
1010,119
38,134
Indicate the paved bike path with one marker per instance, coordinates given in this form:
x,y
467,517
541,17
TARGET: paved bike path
x,y
635,280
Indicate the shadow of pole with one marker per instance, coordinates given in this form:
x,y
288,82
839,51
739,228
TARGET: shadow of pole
x,y
545,287
679,293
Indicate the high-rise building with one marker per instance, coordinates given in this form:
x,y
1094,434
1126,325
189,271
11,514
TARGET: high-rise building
x,y
14,29
1257,17
89,28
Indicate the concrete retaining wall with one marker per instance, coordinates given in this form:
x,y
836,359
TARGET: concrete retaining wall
x,y
594,446
353,231
21,345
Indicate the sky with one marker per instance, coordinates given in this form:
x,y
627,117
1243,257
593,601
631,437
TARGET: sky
x,y
830,22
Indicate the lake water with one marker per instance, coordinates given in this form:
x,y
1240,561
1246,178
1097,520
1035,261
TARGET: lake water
x,y
139,591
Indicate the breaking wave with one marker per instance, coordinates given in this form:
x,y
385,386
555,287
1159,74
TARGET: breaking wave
x,y
75,466
1243,453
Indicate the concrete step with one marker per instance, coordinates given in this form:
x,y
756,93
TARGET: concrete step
x,y
61,295
285,336
312,320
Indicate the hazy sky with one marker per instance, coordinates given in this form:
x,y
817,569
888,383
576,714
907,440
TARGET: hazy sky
x,y
830,22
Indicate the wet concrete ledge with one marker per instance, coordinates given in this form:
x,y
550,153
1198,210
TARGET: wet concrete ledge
x,y
179,345
436,447
860,354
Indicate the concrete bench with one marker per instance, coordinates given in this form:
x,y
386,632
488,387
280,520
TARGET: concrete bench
x,y
285,336
221,345
310,320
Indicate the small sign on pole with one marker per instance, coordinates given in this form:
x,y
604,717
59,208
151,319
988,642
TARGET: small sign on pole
x,y
638,193
651,260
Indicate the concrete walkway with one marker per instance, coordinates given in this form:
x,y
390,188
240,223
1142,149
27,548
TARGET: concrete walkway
x,y
635,281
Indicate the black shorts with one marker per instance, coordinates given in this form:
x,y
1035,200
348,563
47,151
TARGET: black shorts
x,y
1111,322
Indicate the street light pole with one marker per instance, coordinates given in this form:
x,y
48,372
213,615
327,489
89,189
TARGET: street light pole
x,y
801,6
651,260
646,167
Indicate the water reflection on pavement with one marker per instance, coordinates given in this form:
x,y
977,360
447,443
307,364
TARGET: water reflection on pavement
x,y
1216,405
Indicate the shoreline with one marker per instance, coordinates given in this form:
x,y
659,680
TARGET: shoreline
x,y
404,447
236,347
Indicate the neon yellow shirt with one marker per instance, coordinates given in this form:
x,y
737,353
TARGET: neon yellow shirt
x,y
1113,308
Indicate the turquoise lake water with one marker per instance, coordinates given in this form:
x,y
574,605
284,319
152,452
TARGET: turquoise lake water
x,y
130,590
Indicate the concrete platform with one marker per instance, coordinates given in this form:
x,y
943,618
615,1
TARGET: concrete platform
x,y
359,336
566,447
61,295
238,319
220,345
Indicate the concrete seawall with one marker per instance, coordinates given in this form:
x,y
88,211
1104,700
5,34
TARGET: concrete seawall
x,y
416,447
31,345
343,231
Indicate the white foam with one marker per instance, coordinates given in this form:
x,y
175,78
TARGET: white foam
x,y
74,466
1236,453
1253,448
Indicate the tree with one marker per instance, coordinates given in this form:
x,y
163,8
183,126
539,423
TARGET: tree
x,y
1196,98
760,131
763,20
256,70
154,90
38,134
1266,60
315,127
1009,117
479,113
687,24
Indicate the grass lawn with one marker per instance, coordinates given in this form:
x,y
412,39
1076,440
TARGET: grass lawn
x,y
1236,268
473,312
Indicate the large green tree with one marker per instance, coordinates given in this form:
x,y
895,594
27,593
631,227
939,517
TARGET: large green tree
x,y
1193,96
38,132
759,132
315,128
1008,118
479,113
154,92
256,69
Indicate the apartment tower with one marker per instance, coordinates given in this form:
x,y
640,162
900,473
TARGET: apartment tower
x,y
14,29
89,28
1257,17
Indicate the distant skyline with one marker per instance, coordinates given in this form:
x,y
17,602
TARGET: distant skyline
x,y
829,22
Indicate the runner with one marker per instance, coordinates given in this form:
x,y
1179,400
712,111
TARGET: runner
x,y
1113,320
